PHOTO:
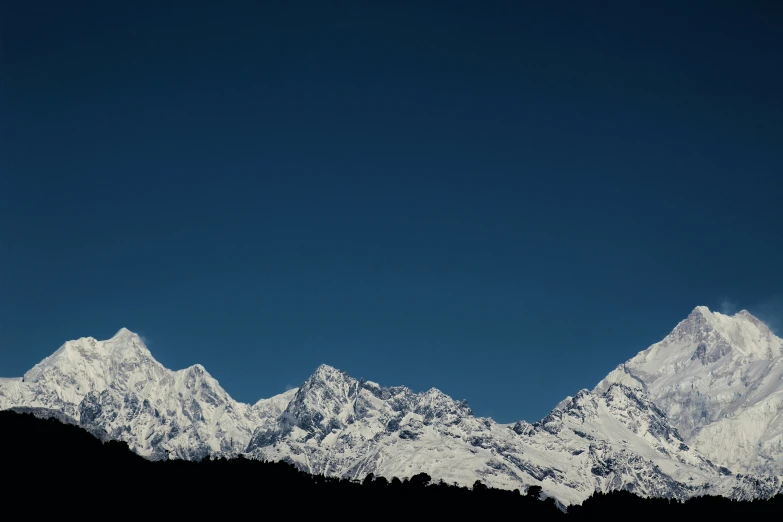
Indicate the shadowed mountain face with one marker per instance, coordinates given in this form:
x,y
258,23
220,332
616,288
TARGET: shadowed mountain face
x,y
642,429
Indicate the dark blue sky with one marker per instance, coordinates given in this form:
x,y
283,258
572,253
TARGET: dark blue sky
x,y
500,200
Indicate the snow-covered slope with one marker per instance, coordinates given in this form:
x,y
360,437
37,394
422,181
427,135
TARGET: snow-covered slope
x,y
118,387
340,426
719,379
614,437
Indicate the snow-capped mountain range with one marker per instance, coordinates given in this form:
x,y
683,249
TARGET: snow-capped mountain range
x,y
700,412
719,379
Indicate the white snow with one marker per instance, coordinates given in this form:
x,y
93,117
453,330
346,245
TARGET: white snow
x,y
710,394
718,378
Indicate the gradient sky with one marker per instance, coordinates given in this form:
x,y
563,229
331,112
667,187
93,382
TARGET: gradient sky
x,y
499,200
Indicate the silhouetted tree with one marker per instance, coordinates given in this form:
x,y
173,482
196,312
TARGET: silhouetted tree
x,y
420,480
110,477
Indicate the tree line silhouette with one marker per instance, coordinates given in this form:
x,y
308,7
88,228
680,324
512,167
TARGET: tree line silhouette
x,y
52,468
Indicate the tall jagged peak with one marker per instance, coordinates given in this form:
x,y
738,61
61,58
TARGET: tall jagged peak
x,y
435,393
327,374
749,335
325,370
701,318
126,344
703,313
197,379
124,333
323,403
761,325
737,355
196,371
434,398
583,400
708,336
327,383
700,315
336,425
700,311
125,337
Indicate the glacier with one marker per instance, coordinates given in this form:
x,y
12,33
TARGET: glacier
x,y
697,413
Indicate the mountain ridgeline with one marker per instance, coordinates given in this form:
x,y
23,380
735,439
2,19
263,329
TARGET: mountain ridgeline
x,y
73,470
699,414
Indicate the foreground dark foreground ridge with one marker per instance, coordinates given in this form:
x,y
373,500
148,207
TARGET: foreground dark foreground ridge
x,y
61,468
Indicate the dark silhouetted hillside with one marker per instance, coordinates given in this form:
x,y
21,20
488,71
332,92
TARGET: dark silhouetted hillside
x,y
49,467
60,468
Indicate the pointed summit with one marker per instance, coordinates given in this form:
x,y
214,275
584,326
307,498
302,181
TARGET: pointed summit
x,y
323,403
700,310
127,344
708,351
326,373
123,333
196,370
326,369
327,377
698,318
761,325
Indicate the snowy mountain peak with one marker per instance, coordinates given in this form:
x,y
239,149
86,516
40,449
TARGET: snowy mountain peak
x,y
435,394
326,372
434,400
699,319
124,333
117,388
197,369
703,339
625,435
700,311
744,314
741,333
719,380
127,344
324,402
325,377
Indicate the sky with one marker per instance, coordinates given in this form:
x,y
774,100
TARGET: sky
x,y
501,200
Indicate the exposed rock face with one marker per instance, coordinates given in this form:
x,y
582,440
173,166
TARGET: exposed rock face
x,y
719,379
696,413
117,387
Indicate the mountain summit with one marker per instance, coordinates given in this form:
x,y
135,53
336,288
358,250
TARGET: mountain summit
x,y
718,378
117,387
697,413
